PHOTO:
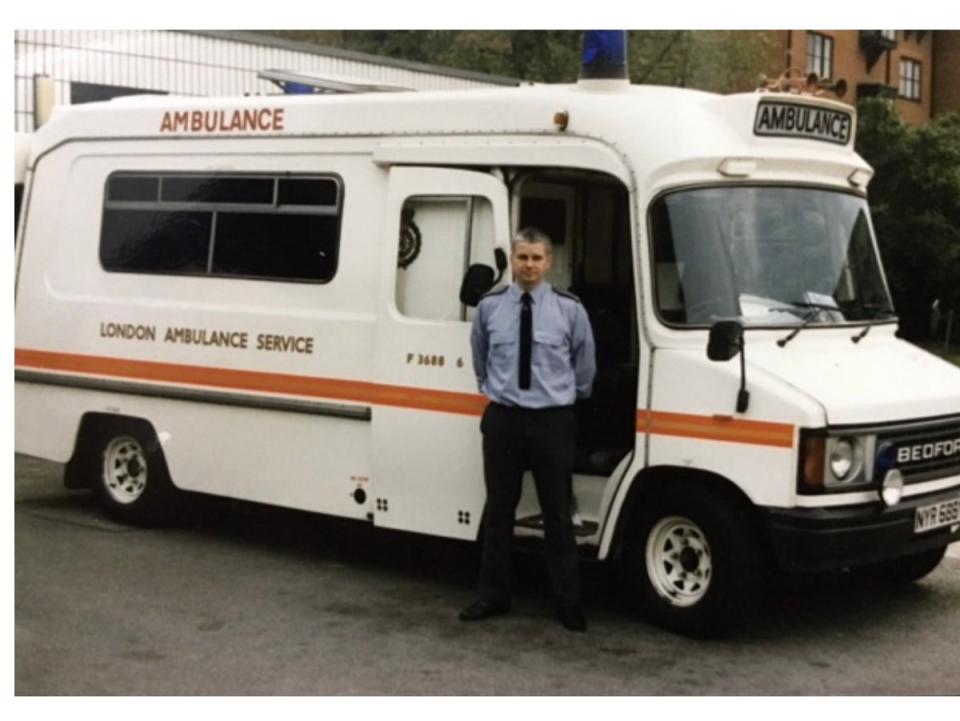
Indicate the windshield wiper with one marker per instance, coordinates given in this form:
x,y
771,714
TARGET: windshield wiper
x,y
877,310
817,306
808,318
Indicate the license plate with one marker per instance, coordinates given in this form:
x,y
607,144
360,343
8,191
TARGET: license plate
x,y
938,515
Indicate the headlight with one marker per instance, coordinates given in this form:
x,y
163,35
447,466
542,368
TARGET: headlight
x,y
845,458
835,463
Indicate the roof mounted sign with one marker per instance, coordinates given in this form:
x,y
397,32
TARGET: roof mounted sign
x,y
795,120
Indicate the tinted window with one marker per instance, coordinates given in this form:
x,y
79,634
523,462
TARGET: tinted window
x,y
307,192
155,241
276,246
123,188
224,225
201,189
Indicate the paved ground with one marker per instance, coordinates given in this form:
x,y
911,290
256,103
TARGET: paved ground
x,y
244,600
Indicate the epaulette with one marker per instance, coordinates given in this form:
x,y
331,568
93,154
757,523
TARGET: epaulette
x,y
495,291
568,294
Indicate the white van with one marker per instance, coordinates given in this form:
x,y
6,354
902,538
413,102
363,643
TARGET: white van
x,y
269,298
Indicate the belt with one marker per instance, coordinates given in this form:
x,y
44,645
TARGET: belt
x,y
522,409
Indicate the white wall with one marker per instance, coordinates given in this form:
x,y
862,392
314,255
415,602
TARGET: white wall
x,y
185,63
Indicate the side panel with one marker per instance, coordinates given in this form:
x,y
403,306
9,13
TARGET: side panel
x,y
693,424
76,321
308,462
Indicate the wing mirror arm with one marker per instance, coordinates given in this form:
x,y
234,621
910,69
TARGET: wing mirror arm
x,y
726,341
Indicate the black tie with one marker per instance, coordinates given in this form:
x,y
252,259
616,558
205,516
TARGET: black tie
x,y
526,340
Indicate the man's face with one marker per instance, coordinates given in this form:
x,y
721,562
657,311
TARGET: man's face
x,y
530,263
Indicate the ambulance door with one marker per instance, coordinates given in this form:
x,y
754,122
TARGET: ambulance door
x,y
427,472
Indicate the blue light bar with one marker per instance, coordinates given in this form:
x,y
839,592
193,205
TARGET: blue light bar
x,y
291,88
604,55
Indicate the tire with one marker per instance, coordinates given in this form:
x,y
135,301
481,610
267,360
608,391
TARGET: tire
x,y
695,562
903,570
131,478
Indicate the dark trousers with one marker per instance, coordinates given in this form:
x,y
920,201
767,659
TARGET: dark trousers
x,y
542,441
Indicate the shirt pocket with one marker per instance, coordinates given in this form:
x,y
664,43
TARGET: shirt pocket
x,y
551,352
501,345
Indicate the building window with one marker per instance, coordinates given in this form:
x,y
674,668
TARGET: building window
x,y
224,225
820,55
909,79
889,35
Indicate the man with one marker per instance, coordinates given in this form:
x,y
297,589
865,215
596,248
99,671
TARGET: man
x,y
533,354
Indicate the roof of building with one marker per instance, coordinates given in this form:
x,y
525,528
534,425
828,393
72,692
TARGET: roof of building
x,y
259,38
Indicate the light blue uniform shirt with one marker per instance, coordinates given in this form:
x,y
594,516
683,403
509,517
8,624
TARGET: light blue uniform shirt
x,y
563,355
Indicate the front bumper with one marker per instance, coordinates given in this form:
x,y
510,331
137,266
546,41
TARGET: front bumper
x,y
823,539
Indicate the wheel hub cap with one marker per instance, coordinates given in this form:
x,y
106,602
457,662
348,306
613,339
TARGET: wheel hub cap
x,y
124,470
679,563
689,560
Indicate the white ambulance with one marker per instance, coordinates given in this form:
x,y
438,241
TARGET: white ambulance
x,y
269,298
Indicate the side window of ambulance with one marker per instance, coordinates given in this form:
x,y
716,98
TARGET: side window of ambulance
x,y
440,236
243,226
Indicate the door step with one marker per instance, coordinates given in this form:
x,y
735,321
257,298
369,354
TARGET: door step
x,y
581,529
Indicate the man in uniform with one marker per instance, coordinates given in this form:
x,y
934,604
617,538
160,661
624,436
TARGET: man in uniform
x,y
533,354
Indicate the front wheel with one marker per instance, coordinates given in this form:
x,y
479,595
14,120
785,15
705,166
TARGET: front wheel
x,y
694,562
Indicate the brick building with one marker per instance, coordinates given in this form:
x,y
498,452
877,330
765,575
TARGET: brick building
x,y
919,69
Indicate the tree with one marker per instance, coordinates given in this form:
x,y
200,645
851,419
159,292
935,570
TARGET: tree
x,y
716,60
915,201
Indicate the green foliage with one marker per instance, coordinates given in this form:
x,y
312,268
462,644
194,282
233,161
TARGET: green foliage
x,y
915,200
720,61
716,60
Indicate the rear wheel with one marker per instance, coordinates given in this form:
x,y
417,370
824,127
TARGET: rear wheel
x,y
132,480
124,470
694,562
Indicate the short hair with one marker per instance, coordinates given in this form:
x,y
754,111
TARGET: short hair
x,y
531,235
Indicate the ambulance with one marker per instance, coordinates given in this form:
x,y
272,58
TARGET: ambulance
x,y
269,298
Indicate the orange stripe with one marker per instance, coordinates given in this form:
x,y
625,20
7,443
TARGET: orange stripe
x,y
328,388
715,428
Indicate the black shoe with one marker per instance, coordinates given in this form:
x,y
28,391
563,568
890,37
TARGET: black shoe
x,y
484,609
572,618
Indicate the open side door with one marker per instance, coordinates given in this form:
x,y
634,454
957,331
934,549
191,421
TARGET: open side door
x,y
427,473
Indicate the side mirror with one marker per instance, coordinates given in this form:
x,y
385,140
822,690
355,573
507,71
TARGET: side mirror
x,y
501,258
726,340
476,281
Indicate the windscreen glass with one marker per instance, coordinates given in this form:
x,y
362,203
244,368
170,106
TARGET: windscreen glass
x,y
766,256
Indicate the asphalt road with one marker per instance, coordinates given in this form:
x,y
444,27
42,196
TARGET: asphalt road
x,y
241,600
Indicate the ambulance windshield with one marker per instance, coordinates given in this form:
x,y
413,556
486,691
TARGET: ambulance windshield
x,y
766,255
